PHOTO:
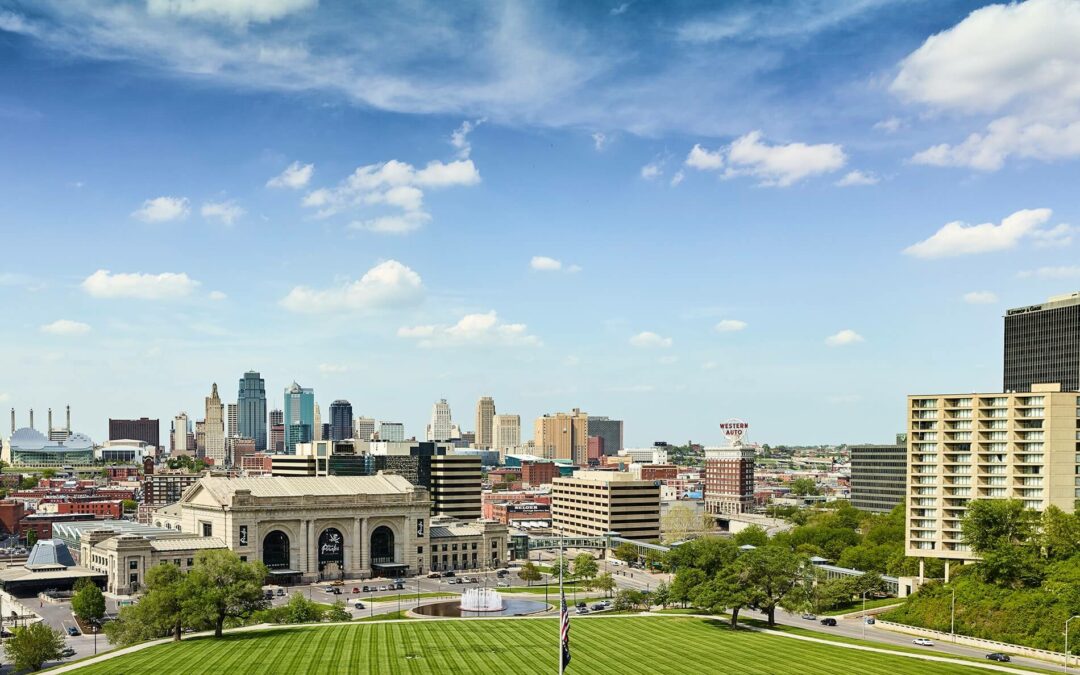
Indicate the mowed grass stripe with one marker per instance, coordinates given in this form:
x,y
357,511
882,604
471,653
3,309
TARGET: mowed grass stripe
x,y
656,645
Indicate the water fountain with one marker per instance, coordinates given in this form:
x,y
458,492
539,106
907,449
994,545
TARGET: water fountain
x,y
481,600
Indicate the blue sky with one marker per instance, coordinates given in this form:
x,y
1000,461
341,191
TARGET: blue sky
x,y
792,213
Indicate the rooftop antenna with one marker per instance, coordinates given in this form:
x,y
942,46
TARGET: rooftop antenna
x,y
31,418
69,419
50,422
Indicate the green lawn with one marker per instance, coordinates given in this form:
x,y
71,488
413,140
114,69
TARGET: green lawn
x,y
857,605
661,646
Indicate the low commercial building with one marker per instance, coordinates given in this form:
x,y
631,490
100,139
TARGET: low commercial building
x,y
125,559
457,545
50,566
594,503
534,474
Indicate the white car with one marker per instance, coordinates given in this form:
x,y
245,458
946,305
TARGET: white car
x,y
922,642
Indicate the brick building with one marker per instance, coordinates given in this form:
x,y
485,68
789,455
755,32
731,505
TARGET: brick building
x,y
535,474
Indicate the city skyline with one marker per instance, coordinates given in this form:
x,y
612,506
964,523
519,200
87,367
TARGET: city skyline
x,y
782,239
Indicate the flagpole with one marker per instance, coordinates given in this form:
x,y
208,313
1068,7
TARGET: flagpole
x,y
562,601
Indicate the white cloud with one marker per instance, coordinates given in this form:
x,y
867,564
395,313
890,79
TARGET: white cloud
x,y
679,176
652,170
393,184
704,160
1021,60
980,298
332,368
162,209
295,176
890,125
472,329
542,263
389,284
648,339
857,177
959,238
781,165
105,284
620,9
730,326
236,12
66,327
843,338
600,141
1061,272
217,296
460,138
227,212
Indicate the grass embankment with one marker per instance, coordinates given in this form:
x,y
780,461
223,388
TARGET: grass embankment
x,y
662,646
857,606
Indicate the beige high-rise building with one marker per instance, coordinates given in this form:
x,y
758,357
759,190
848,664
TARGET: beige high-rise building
x,y
232,429
593,503
505,432
214,428
364,428
1013,445
180,436
563,436
485,411
316,433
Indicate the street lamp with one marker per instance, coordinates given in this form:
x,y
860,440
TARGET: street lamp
x,y
952,616
1075,616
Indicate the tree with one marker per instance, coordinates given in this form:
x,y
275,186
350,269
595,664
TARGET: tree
x,y
769,574
606,583
88,603
31,537
130,505
529,573
723,591
301,610
626,552
804,486
561,564
755,535
48,473
681,521
585,568
1060,533
30,647
627,599
685,585
220,586
159,612
990,523
338,612
662,594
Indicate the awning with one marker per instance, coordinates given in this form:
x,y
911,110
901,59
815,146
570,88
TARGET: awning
x,y
390,565
283,573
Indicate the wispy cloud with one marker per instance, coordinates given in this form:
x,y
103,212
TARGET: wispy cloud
x,y
730,326
164,286
295,176
959,238
980,298
780,165
226,212
844,338
472,329
162,209
388,284
66,327
650,340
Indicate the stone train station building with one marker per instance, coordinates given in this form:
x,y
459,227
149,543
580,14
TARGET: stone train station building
x,y
305,529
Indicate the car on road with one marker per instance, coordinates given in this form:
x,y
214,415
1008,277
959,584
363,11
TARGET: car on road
x,y
922,642
809,617
598,607
434,575
367,589
280,592
67,653
999,657
399,580
503,584
606,603
72,631
870,621
269,595
828,621
449,573
335,591
583,610
581,605
359,605
328,589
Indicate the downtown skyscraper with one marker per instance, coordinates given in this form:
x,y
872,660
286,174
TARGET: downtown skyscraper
x,y
251,405
299,417
341,420
485,412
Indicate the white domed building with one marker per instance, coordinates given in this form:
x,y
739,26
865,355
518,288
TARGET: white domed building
x,y
29,447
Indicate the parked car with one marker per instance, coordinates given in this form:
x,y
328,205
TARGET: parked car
x,y
367,589
339,582
269,595
328,589
606,603
598,607
67,653
434,575
449,573
400,585
359,605
280,592
72,631
583,610
399,580
828,621
922,642
581,605
809,617
503,584
999,657
355,590
335,591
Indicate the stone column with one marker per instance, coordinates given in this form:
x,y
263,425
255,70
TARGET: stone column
x,y
309,547
357,547
365,548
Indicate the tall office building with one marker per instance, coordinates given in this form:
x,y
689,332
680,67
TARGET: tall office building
x,y
341,420
143,429
506,432
455,486
1008,445
1042,344
485,411
441,426
251,413
729,480
299,417
563,436
391,431
879,475
318,425
214,428
610,430
232,429
180,430
364,428
593,503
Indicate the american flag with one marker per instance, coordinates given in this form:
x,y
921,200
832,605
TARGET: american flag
x,y
564,633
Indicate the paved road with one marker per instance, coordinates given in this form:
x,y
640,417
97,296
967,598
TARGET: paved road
x,y
854,628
